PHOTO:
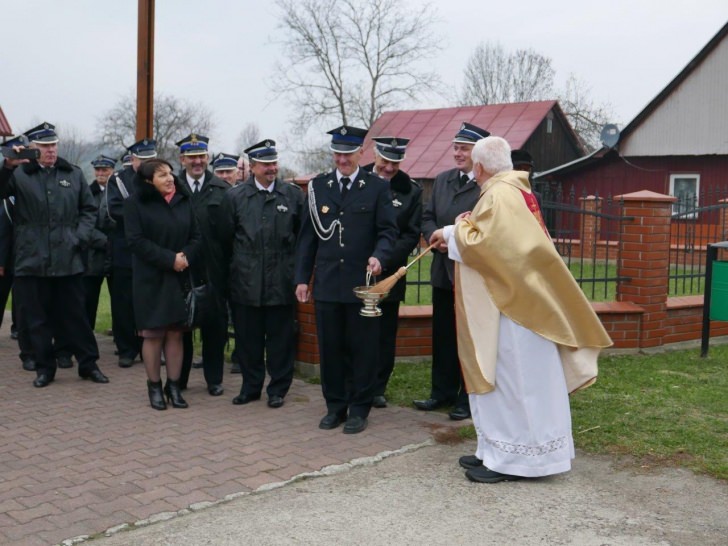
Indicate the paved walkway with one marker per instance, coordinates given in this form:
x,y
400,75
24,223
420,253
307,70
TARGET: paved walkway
x,y
78,458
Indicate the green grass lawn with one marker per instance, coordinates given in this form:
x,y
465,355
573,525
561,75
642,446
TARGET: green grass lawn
x,y
663,409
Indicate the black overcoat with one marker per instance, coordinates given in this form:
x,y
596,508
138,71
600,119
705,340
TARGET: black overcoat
x,y
258,230
369,229
156,231
95,256
446,202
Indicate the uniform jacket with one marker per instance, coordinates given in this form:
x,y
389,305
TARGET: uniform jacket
x,y
206,204
114,208
156,231
258,231
54,214
6,236
369,229
446,202
407,203
95,255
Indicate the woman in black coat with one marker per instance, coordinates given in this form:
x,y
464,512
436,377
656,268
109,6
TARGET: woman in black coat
x,y
164,240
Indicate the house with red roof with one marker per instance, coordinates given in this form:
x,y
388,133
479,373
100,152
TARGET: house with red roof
x,y
537,127
5,129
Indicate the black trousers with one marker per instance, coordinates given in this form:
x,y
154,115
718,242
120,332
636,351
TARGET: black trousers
x,y
6,284
387,342
213,334
349,350
54,307
26,349
128,344
92,289
447,377
265,338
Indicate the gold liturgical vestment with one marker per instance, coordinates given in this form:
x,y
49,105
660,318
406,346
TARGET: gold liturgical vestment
x,y
510,266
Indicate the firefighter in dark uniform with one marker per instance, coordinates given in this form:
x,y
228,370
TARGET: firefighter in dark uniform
x,y
225,167
453,192
207,192
53,218
259,224
350,229
119,187
407,203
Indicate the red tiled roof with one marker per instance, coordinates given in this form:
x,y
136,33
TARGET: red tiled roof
x,y
431,131
5,129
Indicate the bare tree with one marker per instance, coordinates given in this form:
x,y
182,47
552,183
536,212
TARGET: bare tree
x,y
494,76
73,146
174,118
347,61
247,137
586,116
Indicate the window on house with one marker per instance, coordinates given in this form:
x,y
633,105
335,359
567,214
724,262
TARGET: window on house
x,y
686,187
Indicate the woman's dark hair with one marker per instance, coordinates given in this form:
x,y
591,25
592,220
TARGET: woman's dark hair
x,y
148,168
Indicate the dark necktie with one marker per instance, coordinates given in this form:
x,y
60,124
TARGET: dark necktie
x,y
197,186
344,185
464,179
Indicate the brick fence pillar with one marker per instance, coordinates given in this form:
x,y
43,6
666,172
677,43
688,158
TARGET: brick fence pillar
x,y
590,226
645,257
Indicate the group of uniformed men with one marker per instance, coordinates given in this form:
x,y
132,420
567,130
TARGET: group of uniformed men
x,y
265,244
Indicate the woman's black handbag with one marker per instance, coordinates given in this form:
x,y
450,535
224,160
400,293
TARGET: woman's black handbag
x,y
197,302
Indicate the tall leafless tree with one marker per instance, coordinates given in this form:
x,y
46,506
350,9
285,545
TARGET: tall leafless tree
x,y
347,61
74,147
174,118
586,116
249,135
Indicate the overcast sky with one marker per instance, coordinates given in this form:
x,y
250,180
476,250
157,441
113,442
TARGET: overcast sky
x,y
68,61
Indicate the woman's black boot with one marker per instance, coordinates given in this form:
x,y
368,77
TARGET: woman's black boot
x,y
156,397
174,395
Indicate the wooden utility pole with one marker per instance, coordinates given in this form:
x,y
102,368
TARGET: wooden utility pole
x,y
145,70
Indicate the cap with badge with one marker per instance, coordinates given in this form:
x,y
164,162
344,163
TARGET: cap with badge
x,y
144,149
103,161
225,162
391,148
265,151
20,140
521,157
346,139
45,133
125,158
193,144
470,134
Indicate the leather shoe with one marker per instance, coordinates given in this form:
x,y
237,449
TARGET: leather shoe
x,y
244,398
275,401
331,421
64,362
486,475
198,365
379,401
96,376
429,404
215,390
459,413
43,380
355,425
126,362
470,461
29,365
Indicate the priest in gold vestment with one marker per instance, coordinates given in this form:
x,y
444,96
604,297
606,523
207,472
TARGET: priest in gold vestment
x,y
527,336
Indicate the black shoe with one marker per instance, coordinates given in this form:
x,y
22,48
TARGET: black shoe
x,y
43,380
64,362
275,401
126,362
355,425
198,365
470,461
235,368
244,398
331,421
156,396
483,474
379,401
215,390
174,396
13,333
459,413
29,365
96,376
429,404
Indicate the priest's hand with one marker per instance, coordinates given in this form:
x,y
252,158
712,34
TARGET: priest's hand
x,y
438,239
462,216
